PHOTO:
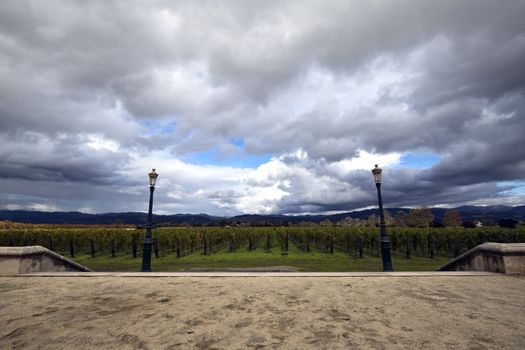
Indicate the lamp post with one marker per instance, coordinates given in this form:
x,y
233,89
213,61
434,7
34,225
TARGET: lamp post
x,y
146,256
385,242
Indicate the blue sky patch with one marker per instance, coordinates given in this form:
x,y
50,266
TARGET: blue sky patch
x,y
237,141
213,157
156,127
419,160
518,187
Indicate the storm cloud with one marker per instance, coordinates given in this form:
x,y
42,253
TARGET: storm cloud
x,y
94,94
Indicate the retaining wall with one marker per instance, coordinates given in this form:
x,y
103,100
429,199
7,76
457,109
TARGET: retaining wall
x,y
507,258
21,260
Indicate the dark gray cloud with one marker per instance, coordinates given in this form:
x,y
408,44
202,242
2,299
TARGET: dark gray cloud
x,y
93,93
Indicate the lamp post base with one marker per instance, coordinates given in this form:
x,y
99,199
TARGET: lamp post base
x,y
146,258
386,257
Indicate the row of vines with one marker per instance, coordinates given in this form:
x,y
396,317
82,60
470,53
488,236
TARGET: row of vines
x,y
186,240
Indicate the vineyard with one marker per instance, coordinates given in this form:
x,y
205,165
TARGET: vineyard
x,y
184,241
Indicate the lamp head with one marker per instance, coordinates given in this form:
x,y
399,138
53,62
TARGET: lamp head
x,y
377,174
152,177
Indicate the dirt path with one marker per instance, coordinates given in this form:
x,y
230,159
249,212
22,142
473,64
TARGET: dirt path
x,y
262,312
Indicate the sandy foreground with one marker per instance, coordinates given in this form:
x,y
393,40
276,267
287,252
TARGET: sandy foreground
x,y
438,312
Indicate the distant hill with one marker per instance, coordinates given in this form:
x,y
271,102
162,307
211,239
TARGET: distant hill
x,y
468,213
133,218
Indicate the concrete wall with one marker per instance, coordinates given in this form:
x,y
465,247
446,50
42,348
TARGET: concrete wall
x,y
20,260
507,258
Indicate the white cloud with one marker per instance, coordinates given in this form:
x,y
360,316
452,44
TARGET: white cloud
x,y
99,142
364,161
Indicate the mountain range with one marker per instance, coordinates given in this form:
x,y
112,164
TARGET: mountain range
x,y
489,214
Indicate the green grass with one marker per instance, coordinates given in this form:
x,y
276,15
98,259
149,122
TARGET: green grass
x,y
242,258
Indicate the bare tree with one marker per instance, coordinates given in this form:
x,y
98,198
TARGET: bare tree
x,y
326,223
419,217
452,218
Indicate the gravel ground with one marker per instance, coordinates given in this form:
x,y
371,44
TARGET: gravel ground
x,y
112,312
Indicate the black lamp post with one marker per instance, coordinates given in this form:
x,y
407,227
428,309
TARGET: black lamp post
x,y
385,242
146,256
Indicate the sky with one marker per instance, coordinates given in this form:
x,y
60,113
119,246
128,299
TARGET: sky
x,y
266,107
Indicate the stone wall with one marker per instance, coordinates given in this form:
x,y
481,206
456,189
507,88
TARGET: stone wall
x,y
20,260
507,258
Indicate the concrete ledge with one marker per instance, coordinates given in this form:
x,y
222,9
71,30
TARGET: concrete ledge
x,y
263,274
507,258
21,260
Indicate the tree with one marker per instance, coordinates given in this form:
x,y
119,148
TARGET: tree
x,y
389,219
419,217
349,222
375,220
508,223
400,219
307,224
452,219
326,223
372,221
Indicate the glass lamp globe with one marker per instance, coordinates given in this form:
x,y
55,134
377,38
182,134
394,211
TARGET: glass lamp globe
x,y
152,177
377,174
